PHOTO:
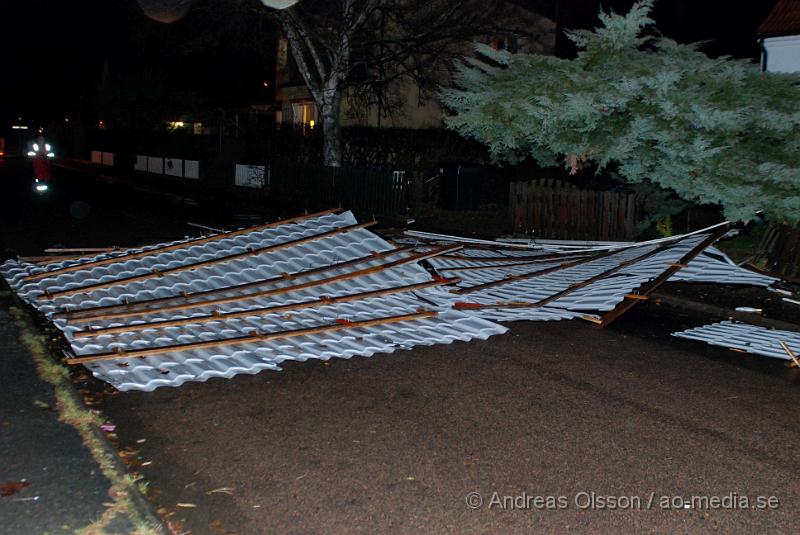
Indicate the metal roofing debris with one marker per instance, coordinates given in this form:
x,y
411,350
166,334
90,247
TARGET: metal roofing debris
x,y
746,337
319,286
323,286
563,280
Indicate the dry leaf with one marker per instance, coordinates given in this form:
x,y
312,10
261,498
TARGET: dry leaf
x,y
186,505
9,488
222,490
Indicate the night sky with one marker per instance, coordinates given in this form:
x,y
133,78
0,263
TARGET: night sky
x,y
54,51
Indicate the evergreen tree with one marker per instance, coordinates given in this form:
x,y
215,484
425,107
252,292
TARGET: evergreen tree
x,y
714,130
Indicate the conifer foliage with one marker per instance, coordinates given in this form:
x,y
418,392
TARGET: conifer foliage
x,y
714,130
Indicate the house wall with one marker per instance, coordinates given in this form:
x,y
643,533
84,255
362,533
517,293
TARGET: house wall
x,y
782,53
413,110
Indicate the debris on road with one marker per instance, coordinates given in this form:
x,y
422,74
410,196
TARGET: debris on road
x,y
505,281
9,488
318,286
323,286
748,338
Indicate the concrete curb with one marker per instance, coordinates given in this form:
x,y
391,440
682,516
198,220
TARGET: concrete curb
x,y
143,507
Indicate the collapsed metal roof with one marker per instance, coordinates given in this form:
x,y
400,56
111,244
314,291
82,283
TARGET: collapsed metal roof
x,y
318,286
322,286
507,282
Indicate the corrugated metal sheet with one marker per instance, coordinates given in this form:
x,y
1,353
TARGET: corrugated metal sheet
x,y
493,275
599,296
225,288
745,337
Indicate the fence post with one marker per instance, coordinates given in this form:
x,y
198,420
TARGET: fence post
x,y
417,192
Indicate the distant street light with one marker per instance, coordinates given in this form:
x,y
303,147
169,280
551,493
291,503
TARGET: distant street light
x,y
166,11
279,4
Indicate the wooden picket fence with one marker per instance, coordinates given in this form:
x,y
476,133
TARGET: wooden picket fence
x,y
553,209
780,247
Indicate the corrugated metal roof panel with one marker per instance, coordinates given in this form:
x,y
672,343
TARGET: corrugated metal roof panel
x,y
299,266
487,272
745,337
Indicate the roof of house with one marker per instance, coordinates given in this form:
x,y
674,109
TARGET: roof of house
x,y
784,19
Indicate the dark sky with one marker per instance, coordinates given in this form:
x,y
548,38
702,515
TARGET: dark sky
x,y
52,48
728,25
53,51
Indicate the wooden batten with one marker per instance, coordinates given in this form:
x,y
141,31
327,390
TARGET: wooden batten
x,y
503,259
265,293
96,311
159,250
534,274
221,316
81,250
196,265
648,288
791,354
259,337
490,267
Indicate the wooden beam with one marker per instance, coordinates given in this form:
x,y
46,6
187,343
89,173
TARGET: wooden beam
x,y
93,312
591,280
258,337
95,250
48,259
47,296
534,274
265,293
504,259
627,303
222,316
499,266
165,248
790,353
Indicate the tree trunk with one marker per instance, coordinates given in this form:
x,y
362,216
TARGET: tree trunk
x,y
332,126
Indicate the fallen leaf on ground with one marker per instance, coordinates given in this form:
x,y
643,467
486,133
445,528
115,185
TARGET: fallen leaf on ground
x,y
184,504
42,405
224,490
9,488
217,522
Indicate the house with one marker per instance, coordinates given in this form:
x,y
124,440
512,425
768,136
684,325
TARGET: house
x,y
402,104
780,38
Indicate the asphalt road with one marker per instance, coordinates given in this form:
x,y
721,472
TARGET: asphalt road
x,y
550,414
396,444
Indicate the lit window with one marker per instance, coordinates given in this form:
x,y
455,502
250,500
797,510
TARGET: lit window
x,y
304,113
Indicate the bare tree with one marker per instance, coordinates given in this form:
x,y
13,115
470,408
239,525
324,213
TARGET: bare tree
x,y
367,44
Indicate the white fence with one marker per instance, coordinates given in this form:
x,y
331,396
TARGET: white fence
x,y
102,158
168,166
173,167
250,176
191,169
155,165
